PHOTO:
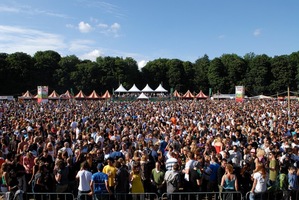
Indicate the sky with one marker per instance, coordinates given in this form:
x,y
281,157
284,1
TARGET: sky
x,y
146,30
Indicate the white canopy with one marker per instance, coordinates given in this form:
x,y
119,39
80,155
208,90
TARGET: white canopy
x,y
120,89
261,97
147,89
134,89
160,89
142,96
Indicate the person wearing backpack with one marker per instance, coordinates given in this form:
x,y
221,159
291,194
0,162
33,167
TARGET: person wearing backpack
x,y
173,182
280,187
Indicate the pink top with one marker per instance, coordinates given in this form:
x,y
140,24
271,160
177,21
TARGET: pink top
x,y
28,163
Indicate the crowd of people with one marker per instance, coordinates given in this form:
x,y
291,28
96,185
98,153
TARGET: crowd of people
x,y
93,148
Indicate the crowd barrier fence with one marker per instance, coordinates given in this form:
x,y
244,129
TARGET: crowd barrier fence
x,y
118,196
269,195
202,196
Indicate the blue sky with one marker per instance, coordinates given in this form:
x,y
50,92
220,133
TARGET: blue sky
x,y
147,30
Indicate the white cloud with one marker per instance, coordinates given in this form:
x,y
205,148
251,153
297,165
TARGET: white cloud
x,y
92,55
70,26
141,64
17,39
8,9
103,25
110,30
257,32
84,27
115,27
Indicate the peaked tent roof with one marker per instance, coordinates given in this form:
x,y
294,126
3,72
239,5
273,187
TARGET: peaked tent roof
x,y
134,89
93,95
176,94
66,95
188,95
54,95
106,95
147,89
201,95
120,89
26,95
160,89
142,96
80,95
261,97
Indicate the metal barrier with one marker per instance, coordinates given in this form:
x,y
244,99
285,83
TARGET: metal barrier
x,y
49,196
276,195
202,196
120,196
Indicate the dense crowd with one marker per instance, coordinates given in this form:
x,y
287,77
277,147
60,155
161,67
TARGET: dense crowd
x,y
98,147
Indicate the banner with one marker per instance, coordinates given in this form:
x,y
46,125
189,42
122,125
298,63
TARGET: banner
x,y
42,94
240,91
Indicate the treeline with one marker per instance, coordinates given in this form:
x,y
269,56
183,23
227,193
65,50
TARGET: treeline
x,y
260,74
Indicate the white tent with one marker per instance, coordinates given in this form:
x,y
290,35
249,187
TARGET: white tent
x,y
121,89
142,96
134,89
261,97
160,89
147,89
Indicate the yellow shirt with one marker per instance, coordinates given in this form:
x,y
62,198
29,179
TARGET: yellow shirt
x,y
111,172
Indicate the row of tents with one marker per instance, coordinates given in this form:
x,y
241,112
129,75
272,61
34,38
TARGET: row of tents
x,y
67,95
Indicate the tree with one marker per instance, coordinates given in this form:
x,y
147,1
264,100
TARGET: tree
x,y
217,75
87,76
189,75
46,63
20,70
4,70
67,65
236,70
201,68
284,74
258,76
155,72
176,75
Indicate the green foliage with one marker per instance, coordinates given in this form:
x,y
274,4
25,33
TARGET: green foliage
x,y
260,74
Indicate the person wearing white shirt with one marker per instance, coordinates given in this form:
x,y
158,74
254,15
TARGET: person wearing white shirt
x,y
84,177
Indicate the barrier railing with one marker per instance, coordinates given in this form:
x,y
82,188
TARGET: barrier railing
x,y
49,196
269,195
275,195
202,196
120,196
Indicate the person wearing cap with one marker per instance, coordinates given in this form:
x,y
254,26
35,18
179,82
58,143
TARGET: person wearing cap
x,y
99,184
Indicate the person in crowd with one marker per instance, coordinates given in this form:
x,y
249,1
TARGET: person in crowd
x,y
260,179
221,172
157,178
173,181
293,184
229,183
110,170
62,176
28,163
84,177
122,178
273,168
170,161
212,182
99,184
136,181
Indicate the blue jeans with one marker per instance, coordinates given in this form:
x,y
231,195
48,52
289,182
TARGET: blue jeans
x,y
256,196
